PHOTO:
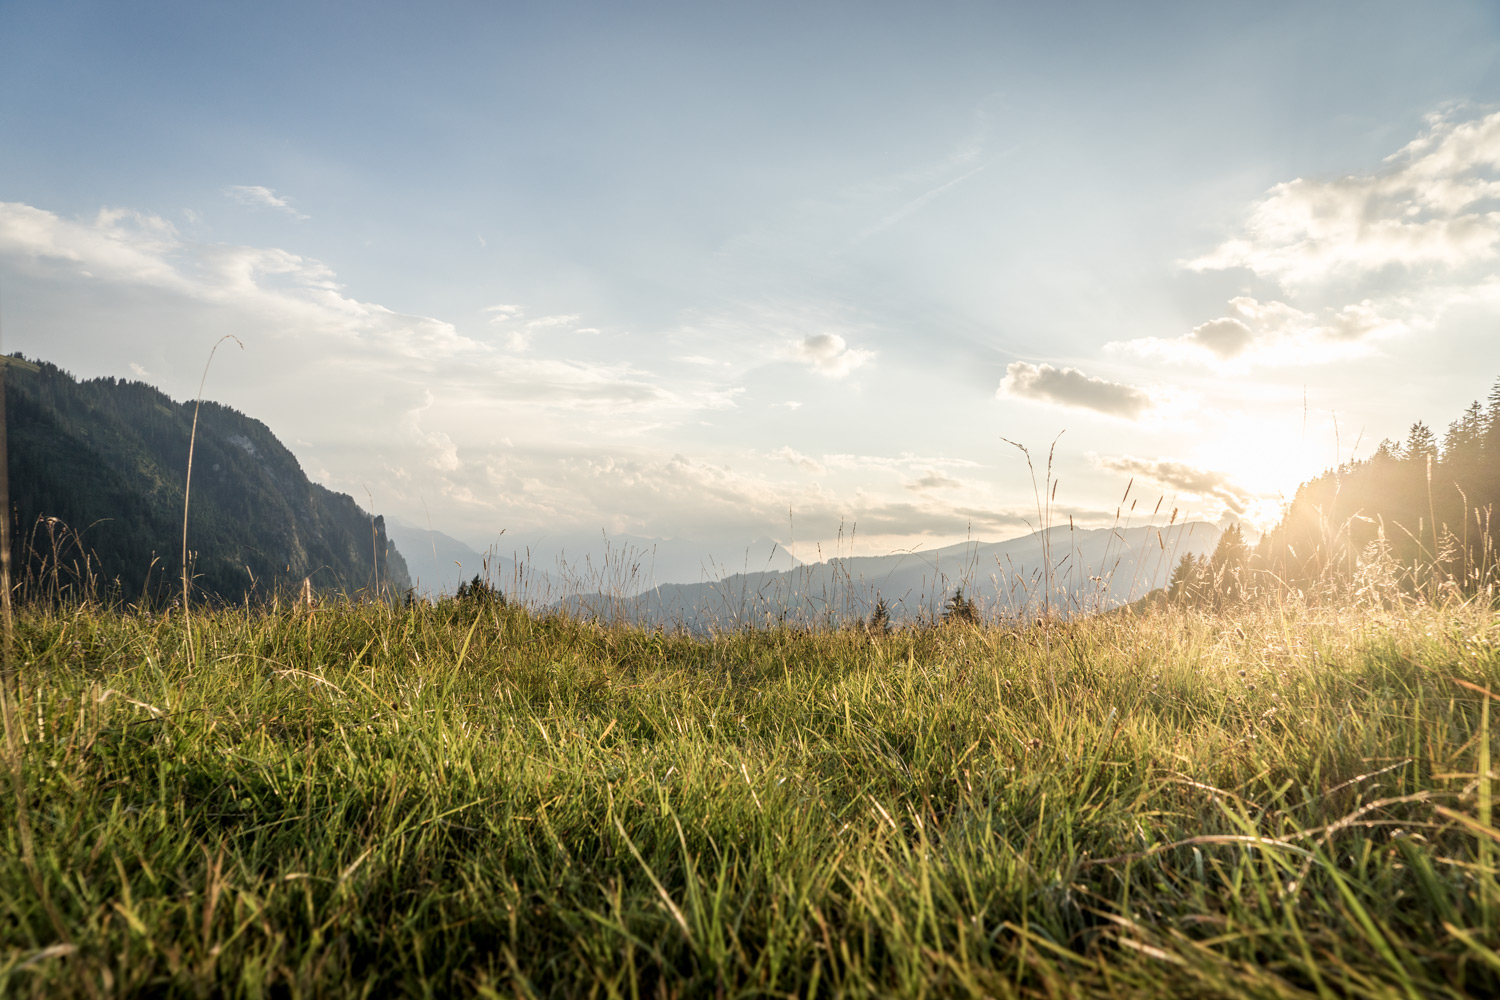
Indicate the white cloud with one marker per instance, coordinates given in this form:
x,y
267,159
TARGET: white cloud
x,y
256,196
1275,333
503,313
138,371
520,340
804,462
548,322
1430,208
1071,387
611,388
438,448
828,354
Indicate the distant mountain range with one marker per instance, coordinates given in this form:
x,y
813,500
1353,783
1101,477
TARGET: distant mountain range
x,y
96,477
546,568
1091,570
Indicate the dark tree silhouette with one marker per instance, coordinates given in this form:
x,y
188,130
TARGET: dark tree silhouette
x,y
960,610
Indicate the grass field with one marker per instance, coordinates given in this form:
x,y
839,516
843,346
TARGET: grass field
x,y
468,799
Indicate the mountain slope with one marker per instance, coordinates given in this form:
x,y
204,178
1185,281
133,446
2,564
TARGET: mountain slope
x,y
97,469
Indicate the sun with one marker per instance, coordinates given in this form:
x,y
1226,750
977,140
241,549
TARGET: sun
x,y
1262,462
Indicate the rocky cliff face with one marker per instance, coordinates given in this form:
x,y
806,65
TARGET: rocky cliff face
x,y
96,476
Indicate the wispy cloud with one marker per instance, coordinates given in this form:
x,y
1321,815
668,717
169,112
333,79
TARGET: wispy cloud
x,y
256,196
932,481
503,313
804,462
548,322
918,203
1190,481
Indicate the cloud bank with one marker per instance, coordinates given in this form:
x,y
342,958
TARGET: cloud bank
x,y
1431,208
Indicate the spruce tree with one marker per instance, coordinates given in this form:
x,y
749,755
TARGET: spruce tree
x,y
960,610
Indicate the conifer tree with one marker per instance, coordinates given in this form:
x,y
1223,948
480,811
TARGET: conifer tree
x,y
1421,444
1228,568
1186,579
960,610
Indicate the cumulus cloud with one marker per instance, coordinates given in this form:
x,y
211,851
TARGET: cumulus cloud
x,y
1185,478
1275,333
256,196
1431,207
1071,387
828,354
1226,337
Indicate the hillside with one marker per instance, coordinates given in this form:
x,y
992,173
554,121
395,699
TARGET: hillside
x,y
96,478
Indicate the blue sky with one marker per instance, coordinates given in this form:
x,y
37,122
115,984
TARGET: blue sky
x,y
677,270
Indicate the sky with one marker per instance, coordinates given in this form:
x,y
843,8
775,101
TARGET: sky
x,y
717,273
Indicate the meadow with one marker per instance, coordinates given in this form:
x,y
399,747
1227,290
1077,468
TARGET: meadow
x,y
470,798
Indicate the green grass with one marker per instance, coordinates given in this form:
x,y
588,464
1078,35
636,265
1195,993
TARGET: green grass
x,y
471,800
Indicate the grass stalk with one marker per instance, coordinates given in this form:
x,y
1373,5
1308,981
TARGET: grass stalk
x,y
187,491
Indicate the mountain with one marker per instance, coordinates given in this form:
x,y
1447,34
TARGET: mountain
x,y
96,480
440,563
633,564
545,567
1090,570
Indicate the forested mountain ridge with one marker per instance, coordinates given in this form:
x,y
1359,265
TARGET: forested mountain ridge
x,y
107,460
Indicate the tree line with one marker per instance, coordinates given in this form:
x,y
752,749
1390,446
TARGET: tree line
x,y
1414,517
